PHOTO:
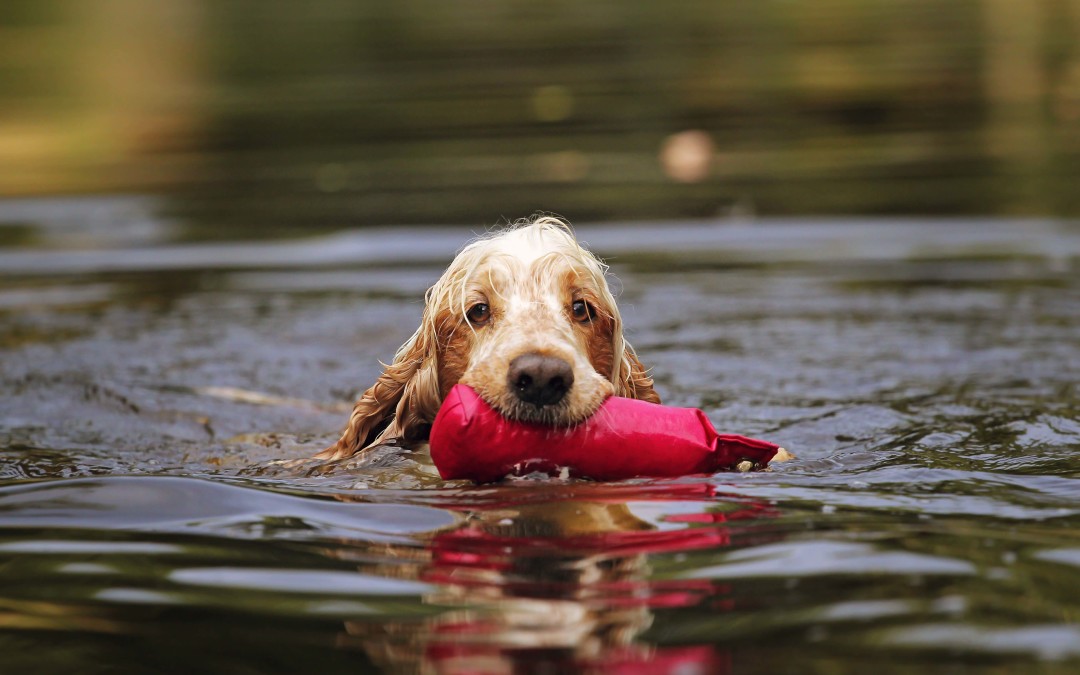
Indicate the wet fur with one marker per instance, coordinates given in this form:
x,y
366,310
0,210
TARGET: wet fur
x,y
529,273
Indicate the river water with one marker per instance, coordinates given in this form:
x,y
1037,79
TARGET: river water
x,y
924,373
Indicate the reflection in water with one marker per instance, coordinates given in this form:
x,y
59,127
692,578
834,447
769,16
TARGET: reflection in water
x,y
527,578
560,585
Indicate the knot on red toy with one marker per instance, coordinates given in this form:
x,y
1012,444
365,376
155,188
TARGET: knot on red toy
x,y
625,438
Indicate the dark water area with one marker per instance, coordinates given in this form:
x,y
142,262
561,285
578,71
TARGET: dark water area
x,y
153,395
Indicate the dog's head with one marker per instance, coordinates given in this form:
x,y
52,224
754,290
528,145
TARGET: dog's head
x,y
526,318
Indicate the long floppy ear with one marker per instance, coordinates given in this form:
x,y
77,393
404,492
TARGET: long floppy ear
x,y
401,402
635,381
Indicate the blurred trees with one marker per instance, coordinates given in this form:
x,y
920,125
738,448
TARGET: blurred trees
x,y
274,114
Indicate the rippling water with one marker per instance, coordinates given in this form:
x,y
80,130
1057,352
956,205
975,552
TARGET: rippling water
x,y
924,372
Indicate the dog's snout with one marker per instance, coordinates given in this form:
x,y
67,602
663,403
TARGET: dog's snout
x,y
540,380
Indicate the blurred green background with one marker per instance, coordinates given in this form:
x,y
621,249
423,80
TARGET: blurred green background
x,y
274,116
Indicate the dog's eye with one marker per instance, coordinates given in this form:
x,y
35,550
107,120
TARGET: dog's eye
x,y
479,314
582,311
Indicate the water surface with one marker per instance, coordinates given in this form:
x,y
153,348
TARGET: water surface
x,y
925,373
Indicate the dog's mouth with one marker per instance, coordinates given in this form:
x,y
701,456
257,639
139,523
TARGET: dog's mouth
x,y
540,393
568,412
555,415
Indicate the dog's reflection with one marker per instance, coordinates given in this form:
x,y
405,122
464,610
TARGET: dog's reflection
x,y
560,585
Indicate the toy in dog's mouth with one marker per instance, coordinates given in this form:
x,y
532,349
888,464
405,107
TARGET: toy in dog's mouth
x,y
625,438
541,390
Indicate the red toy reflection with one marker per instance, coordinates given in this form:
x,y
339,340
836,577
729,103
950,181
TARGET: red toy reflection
x,y
561,581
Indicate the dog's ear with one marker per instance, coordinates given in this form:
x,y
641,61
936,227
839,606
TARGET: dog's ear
x,y
635,381
399,405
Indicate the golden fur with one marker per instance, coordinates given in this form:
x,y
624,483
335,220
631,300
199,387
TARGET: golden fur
x,y
529,274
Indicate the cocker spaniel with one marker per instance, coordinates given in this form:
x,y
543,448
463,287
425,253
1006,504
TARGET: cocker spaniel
x,y
525,317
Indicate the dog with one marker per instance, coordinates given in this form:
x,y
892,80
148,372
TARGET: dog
x,y
525,317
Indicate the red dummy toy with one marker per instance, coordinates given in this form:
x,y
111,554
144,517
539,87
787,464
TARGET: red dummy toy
x,y
625,438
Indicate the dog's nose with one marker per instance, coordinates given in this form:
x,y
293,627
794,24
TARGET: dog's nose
x,y
540,380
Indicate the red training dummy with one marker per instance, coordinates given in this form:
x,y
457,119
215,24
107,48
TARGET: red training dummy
x,y
625,438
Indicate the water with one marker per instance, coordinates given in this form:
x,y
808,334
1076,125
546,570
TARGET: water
x,y
924,372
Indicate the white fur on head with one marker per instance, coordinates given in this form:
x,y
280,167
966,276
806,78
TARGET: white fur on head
x,y
529,274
